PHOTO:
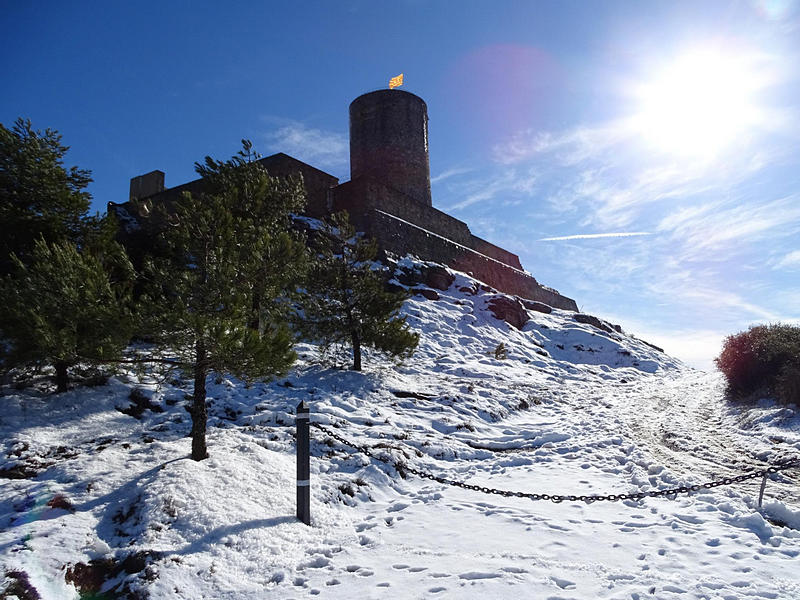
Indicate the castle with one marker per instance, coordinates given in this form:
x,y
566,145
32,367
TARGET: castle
x,y
388,196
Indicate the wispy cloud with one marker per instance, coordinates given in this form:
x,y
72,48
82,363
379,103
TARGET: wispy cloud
x,y
607,169
592,236
718,225
508,184
788,261
448,174
315,146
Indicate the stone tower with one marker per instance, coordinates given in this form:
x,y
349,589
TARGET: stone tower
x,y
389,142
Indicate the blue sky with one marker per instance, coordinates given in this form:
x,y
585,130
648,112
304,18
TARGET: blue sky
x,y
640,157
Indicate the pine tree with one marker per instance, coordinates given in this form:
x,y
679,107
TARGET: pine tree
x,y
64,284
65,307
219,301
348,304
39,197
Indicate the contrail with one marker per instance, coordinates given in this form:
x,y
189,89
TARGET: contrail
x,y
591,236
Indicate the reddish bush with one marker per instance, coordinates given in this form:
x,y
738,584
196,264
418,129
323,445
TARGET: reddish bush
x,y
765,357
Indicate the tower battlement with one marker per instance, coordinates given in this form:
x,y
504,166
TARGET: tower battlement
x,y
389,142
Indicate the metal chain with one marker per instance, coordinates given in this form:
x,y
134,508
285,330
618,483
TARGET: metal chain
x,y
671,493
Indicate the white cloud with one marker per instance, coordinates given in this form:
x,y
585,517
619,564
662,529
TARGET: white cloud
x,y
591,236
789,261
314,146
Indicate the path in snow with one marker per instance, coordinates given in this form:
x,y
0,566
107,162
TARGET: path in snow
x,y
687,426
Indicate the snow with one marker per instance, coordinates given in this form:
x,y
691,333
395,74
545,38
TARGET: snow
x,y
573,410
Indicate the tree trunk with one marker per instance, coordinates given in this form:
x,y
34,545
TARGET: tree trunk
x,y
356,339
199,412
62,378
255,320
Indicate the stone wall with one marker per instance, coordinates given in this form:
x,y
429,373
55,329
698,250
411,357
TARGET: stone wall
x,y
318,184
489,249
364,193
389,141
401,237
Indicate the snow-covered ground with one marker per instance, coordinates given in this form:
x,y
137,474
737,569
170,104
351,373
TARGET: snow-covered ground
x,y
101,499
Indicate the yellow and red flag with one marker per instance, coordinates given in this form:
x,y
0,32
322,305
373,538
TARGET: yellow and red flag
x,y
396,81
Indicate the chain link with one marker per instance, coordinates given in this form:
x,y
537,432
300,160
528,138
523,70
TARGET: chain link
x,y
671,493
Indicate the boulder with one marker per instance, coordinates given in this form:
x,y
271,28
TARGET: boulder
x,y
408,277
438,278
537,306
429,294
593,321
509,310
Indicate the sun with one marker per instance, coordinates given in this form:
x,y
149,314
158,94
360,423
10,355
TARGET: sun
x,y
700,105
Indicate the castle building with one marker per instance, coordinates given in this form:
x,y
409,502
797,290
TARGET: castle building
x,y
388,196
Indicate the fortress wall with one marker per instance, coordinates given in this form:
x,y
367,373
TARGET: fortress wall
x,y
363,193
317,183
489,249
397,236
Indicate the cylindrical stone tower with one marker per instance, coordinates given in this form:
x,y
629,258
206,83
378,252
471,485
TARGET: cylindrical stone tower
x,y
389,141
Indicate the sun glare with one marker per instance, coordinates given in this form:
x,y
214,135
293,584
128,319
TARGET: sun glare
x,y
700,105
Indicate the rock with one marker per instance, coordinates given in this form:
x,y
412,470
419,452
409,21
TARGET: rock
x,y
429,294
537,306
408,277
653,346
593,321
438,278
509,310
140,402
394,288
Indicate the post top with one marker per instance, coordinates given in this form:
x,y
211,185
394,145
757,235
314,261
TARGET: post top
x,y
303,407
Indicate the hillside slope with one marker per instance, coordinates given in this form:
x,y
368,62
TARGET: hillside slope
x,y
97,500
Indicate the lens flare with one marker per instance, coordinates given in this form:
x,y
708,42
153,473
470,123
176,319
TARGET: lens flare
x,y
700,105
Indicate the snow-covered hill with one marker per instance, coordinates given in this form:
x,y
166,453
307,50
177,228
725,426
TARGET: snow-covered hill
x,y
94,499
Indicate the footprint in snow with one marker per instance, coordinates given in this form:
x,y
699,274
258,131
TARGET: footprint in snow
x,y
564,584
478,575
513,570
436,590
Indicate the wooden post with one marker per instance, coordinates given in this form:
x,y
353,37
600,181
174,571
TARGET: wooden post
x,y
303,464
761,492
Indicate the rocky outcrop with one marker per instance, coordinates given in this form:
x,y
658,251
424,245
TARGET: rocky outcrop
x,y
509,310
595,322
537,306
438,277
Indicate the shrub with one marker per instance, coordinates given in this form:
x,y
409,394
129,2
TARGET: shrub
x,y
765,357
501,352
